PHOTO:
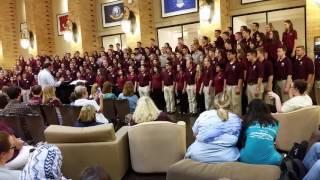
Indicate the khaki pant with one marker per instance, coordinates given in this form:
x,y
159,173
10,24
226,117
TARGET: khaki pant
x,y
191,92
282,85
235,105
144,91
168,92
208,97
25,94
251,92
266,98
317,91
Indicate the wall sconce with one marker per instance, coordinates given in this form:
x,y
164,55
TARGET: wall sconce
x,y
205,11
317,2
71,32
27,38
129,21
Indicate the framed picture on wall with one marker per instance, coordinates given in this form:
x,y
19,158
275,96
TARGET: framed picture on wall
x,y
251,1
178,7
112,13
62,20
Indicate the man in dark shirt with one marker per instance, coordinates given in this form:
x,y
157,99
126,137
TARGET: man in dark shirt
x,y
283,73
255,77
233,81
144,82
219,43
168,84
268,74
303,67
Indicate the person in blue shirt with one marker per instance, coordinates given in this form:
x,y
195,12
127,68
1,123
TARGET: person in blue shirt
x,y
216,133
107,91
128,94
259,133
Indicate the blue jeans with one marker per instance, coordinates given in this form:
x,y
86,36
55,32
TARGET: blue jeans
x,y
312,163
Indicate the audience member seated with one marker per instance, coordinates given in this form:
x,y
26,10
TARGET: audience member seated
x,y
128,93
44,163
147,111
21,152
36,92
107,91
216,133
81,94
3,100
312,162
259,132
15,106
298,98
94,173
49,96
7,147
87,117
94,90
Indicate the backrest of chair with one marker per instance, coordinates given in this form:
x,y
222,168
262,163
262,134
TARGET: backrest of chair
x,y
109,109
50,114
36,108
296,126
69,114
154,146
122,108
15,124
35,125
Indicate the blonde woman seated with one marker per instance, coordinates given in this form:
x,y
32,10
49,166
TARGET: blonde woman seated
x,y
87,117
49,98
147,111
216,133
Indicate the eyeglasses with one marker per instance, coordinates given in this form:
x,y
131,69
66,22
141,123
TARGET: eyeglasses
x,y
13,147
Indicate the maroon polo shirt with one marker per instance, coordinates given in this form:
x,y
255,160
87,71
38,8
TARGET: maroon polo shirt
x,y
180,80
208,74
132,78
156,81
233,73
268,70
271,48
255,71
100,80
288,38
198,83
168,77
218,83
3,82
317,69
190,76
120,82
90,78
302,68
219,43
112,78
283,68
25,84
144,79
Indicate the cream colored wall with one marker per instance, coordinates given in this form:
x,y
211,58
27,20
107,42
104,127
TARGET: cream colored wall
x,y
313,19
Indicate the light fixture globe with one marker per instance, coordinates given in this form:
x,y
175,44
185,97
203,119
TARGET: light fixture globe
x,y
68,36
126,25
25,43
205,13
317,2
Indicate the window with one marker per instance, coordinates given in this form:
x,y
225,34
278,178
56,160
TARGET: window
x,y
114,39
171,34
276,17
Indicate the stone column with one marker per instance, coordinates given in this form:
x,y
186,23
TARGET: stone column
x,y
145,28
40,21
9,36
83,13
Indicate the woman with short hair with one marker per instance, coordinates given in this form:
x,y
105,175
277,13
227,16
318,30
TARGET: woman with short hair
x,y
216,133
87,117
